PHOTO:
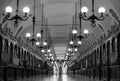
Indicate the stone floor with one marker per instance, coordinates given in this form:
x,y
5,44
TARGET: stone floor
x,y
55,78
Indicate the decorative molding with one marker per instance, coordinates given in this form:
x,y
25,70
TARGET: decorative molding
x,y
115,16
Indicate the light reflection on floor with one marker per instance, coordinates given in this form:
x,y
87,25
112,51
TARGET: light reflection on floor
x,y
54,78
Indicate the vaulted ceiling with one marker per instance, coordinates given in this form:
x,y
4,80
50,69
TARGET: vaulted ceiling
x,y
59,14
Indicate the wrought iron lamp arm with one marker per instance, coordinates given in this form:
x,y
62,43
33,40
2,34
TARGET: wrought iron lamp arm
x,y
92,17
17,17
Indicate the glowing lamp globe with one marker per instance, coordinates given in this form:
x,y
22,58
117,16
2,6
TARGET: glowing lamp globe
x,y
8,9
71,42
28,35
67,54
101,10
42,50
86,31
69,49
79,42
37,43
76,49
50,54
46,55
48,50
45,43
84,9
74,31
73,53
52,58
38,35
26,10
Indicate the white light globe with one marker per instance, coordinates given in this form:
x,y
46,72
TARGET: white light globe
x,y
67,54
52,58
50,54
28,34
84,9
73,53
49,50
76,49
42,50
101,10
65,58
71,42
74,31
26,10
86,31
38,35
37,43
46,55
79,42
39,65
44,43
69,49
8,9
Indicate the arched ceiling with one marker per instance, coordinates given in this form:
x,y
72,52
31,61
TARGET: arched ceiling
x,y
59,14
